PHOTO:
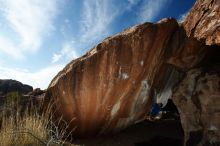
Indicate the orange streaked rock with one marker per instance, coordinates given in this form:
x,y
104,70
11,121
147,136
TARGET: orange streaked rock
x,y
203,21
113,85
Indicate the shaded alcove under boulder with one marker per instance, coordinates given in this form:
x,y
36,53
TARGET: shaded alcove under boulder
x,y
166,131
141,134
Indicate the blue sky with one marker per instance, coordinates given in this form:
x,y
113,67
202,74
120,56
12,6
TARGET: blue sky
x,y
39,37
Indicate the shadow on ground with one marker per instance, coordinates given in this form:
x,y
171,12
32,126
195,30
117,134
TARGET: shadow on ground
x,y
147,133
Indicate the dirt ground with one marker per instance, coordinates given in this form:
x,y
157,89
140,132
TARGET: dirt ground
x,y
147,133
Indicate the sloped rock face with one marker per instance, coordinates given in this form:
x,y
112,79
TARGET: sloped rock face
x,y
108,89
113,85
203,22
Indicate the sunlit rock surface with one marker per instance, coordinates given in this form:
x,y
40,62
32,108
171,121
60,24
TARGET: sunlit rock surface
x,y
109,88
114,84
203,22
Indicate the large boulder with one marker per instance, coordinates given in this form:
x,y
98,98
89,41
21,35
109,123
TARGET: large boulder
x,y
113,85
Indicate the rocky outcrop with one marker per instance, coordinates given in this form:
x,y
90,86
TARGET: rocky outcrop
x,y
23,95
36,92
203,22
113,85
197,97
36,96
7,86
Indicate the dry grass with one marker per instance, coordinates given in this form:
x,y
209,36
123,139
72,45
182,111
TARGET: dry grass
x,y
29,128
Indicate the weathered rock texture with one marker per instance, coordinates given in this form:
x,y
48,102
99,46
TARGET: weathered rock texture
x,y
108,89
203,22
198,100
114,85
198,95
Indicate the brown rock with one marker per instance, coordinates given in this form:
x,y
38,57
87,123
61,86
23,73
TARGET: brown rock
x,y
198,100
113,85
36,92
108,89
203,22
198,95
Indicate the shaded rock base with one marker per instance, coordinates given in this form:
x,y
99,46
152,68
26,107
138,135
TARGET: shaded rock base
x,y
146,133
161,141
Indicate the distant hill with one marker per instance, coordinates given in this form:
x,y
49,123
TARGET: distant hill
x,y
9,85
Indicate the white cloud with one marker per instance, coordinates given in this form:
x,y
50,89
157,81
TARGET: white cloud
x,y
67,52
31,20
131,3
97,15
96,18
37,79
151,9
7,47
56,57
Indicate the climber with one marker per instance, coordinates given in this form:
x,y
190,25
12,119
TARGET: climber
x,y
155,112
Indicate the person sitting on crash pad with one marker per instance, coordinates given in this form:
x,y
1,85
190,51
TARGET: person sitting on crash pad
x,y
155,111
